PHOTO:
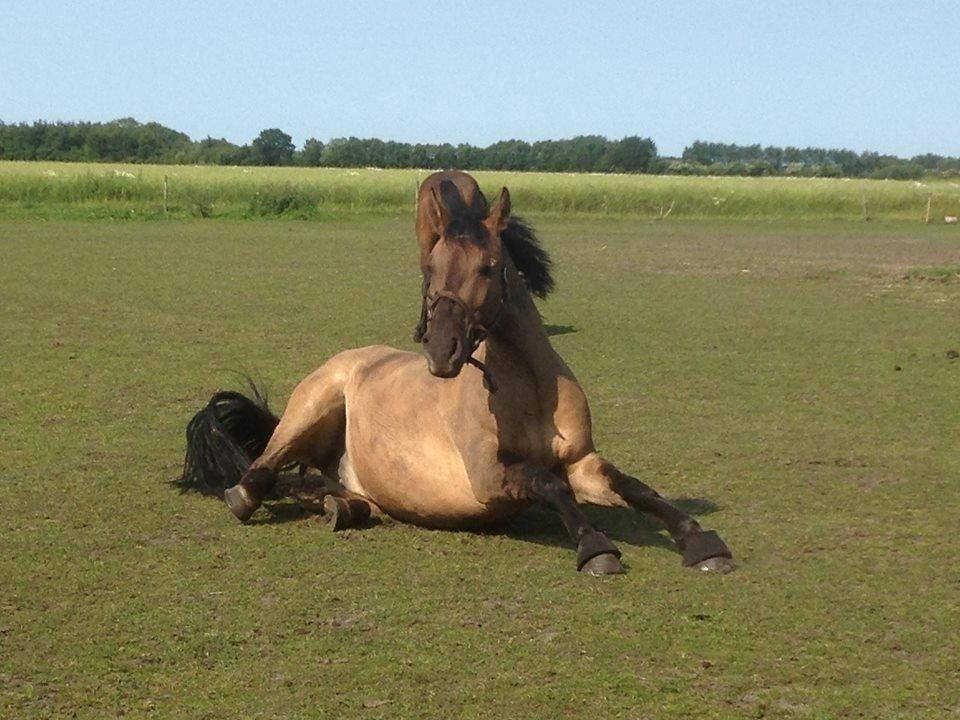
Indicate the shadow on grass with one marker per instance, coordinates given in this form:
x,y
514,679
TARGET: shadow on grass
x,y
277,512
534,525
296,498
554,330
543,527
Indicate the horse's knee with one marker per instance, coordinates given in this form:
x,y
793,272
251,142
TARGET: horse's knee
x,y
592,482
515,482
593,490
529,481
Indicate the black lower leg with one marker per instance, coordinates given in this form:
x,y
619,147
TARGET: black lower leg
x,y
595,553
536,483
645,499
694,543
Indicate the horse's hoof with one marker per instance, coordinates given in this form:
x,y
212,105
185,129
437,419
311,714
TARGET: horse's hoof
x,y
605,564
717,565
706,551
336,513
240,502
596,555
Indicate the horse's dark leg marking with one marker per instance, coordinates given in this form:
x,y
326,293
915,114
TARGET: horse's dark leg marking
x,y
695,544
645,499
595,553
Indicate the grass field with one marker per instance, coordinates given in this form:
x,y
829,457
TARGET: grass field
x,y
792,378
77,190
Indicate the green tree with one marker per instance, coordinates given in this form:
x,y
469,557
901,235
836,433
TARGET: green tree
x,y
312,153
272,147
632,155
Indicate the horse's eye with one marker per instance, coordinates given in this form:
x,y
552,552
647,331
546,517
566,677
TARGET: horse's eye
x,y
486,270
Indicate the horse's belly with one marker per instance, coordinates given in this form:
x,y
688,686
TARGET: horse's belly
x,y
400,456
430,495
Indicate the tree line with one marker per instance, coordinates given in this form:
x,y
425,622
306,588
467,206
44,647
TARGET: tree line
x,y
127,140
728,159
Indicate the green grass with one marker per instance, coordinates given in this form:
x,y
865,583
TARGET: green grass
x,y
937,273
751,364
77,190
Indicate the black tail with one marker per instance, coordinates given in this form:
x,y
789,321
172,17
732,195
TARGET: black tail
x,y
223,439
528,255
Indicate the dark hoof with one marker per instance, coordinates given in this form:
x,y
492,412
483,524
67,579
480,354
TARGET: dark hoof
x,y
336,513
240,502
716,565
605,564
700,547
340,514
594,546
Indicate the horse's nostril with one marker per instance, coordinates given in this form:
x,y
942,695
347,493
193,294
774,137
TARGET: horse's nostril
x,y
455,348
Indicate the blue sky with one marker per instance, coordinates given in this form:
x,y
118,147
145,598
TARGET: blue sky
x,y
864,75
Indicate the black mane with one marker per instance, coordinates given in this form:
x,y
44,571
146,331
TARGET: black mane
x,y
528,255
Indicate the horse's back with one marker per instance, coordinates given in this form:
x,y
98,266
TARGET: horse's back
x,y
470,193
465,184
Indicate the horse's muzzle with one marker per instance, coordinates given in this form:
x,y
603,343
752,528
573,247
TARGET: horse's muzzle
x,y
445,363
445,342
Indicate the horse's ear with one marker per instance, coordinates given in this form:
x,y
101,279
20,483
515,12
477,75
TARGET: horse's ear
x,y
438,212
500,213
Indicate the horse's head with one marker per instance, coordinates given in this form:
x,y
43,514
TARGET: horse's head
x,y
465,284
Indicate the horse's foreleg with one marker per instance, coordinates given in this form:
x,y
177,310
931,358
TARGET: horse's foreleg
x,y
598,481
595,553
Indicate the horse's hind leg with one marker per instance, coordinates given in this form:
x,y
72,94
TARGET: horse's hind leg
x,y
594,480
343,511
311,432
340,508
245,497
596,555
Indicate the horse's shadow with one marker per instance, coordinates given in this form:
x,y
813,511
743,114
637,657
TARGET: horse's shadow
x,y
281,511
534,525
622,525
554,330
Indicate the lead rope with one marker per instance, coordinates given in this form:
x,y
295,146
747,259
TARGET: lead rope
x,y
488,382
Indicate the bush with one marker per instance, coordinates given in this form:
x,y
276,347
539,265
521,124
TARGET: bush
x,y
286,199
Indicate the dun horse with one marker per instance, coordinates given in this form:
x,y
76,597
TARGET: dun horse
x,y
436,443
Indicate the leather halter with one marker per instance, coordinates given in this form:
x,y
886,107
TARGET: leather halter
x,y
477,331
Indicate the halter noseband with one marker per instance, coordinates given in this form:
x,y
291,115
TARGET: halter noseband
x,y
477,331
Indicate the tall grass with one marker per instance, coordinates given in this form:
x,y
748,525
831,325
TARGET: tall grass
x,y
78,189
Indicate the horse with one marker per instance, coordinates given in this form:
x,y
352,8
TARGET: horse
x,y
485,421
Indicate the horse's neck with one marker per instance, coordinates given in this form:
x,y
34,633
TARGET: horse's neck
x,y
521,334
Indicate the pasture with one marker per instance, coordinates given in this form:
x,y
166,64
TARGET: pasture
x,y
114,191
790,380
